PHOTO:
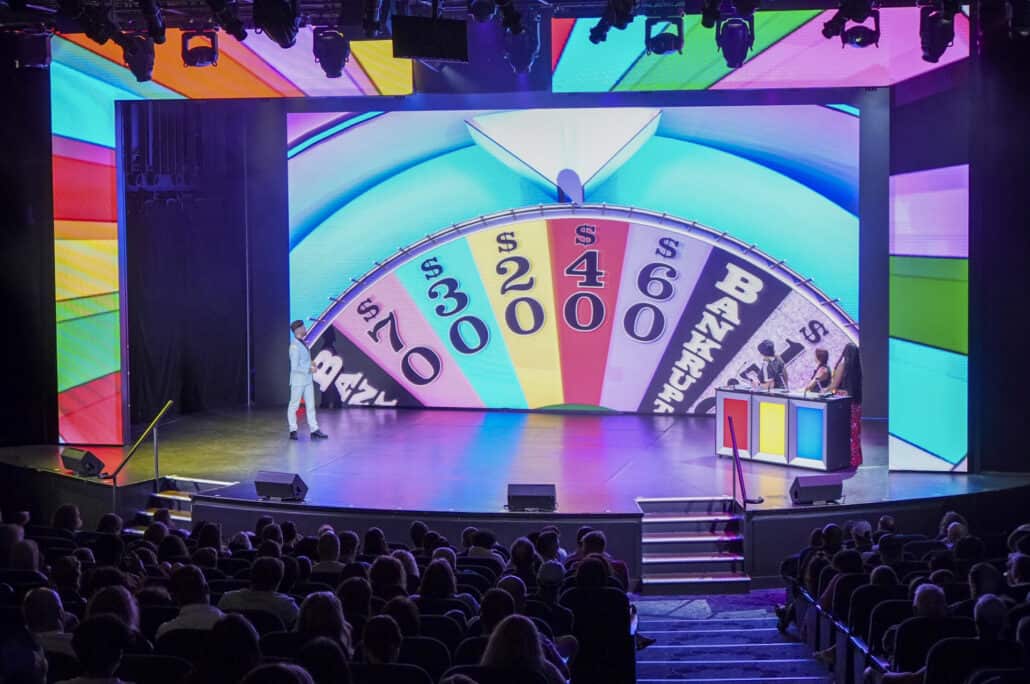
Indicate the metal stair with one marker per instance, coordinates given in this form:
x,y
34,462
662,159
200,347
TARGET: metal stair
x,y
175,492
692,545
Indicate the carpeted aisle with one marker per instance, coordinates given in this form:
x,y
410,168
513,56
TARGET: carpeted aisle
x,y
728,639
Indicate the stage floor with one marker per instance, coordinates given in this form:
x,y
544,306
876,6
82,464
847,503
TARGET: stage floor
x,y
437,460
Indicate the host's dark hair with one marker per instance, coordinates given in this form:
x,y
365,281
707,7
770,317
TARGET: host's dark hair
x,y
296,324
822,356
851,378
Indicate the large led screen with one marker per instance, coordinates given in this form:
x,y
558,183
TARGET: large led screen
x,y
929,319
449,268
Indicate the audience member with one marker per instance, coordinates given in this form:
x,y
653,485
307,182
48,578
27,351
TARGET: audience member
x,y
355,594
417,532
405,613
410,568
155,533
483,547
190,591
387,578
325,661
884,576
524,560
108,549
348,546
278,673
25,556
515,643
375,543
172,549
290,534
110,523
9,536
98,643
45,618
328,555
438,583
382,642
119,602
946,520
321,615
467,537
497,604
266,575
67,519
232,650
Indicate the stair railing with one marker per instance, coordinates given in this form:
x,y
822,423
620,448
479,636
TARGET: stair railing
x,y
738,472
151,431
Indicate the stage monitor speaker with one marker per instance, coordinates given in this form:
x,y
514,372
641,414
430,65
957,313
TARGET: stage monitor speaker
x,y
532,497
274,485
438,40
808,489
81,462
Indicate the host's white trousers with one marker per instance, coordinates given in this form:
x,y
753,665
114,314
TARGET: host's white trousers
x,y
296,392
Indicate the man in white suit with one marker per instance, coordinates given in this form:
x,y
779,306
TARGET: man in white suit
x,y
301,384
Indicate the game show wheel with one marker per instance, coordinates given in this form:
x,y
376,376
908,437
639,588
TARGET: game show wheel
x,y
585,307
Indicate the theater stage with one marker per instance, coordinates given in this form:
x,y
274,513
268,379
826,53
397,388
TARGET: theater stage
x,y
457,464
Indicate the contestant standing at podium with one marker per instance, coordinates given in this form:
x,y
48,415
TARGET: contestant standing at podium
x,y
847,379
301,383
774,372
821,376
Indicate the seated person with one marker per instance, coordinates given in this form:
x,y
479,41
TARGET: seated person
x,y
328,555
190,591
265,576
98,643
382,642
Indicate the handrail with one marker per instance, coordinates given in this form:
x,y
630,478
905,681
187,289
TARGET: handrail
x,y
151,427
738,471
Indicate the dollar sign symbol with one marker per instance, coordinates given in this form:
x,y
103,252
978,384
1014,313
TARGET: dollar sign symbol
x,y
432,268
667,247
506,242
368,310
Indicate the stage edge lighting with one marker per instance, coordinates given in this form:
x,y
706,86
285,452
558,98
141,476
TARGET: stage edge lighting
x,y
200,48
937,27
331,49
226,17
663,42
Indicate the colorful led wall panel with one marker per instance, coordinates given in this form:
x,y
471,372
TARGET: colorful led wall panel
x,y
587,308
86,81
929,320
789,52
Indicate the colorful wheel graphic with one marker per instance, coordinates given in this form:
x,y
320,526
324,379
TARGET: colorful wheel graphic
x,y
576,307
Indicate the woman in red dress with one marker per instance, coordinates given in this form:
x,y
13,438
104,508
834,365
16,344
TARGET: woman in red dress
x,y
847,380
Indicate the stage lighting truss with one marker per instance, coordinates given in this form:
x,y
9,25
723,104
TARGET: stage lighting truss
x,y
664,42
331,49
200,48
617,14
937,27
857,12
522,50
279,20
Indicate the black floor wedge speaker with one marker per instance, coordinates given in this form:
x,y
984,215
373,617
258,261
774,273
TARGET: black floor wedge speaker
x,y
811,488
274,485
532,497
81,462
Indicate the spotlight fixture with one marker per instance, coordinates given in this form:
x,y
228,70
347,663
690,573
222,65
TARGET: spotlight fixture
x,y
510,17
665,41
617,14
226,17
521,51
482,10
155,21
857,12
95,21
371,20
332,50
200,48
937,28
1019,18
138,53
735,35
711,11
279,20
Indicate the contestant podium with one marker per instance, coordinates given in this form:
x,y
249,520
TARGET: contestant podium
x,y
788,428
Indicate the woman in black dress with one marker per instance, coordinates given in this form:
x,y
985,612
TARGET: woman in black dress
x,y
847,380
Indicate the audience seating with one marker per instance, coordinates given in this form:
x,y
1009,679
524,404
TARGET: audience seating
x,y
470,650
428,653
492,675
188,644
153,669
263,621
362,673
